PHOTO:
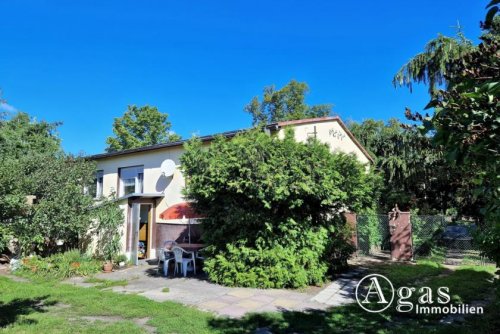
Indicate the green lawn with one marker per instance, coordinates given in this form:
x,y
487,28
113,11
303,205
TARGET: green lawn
x,y
105,283
53,307
58,308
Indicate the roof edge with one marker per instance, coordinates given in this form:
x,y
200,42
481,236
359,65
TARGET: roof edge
x,y
230,134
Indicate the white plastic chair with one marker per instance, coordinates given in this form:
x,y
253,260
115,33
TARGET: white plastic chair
x,y
161,254
182,262
199,255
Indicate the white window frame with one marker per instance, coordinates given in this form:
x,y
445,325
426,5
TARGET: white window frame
x,y
137,174
99,183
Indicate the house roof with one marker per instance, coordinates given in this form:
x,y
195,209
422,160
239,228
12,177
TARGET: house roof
x,y
230,134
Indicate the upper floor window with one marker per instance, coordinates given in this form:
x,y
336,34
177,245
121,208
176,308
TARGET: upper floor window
x,y
131,180
99,176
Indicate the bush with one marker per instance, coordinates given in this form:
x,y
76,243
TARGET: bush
x,y
5,237
120,258
109,220
339,247
293,264
59,266
370,233
270,206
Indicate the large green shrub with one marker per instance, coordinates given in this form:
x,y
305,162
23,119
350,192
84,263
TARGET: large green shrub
x,y
271,263
270,205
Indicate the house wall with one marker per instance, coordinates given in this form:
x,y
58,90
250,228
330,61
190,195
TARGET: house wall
x,y
154,181
330,132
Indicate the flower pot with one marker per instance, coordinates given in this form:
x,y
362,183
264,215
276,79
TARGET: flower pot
x,y
121,264
108,267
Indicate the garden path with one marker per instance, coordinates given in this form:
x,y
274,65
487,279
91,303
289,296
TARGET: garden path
x,y
233,302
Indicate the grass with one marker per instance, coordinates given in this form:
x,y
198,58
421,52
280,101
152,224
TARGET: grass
x,y
60,308
105,283
165,290
401,274
467,283
52,307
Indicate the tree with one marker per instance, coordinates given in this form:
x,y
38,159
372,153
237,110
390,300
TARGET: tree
x,y
415,171
285,104
20,136
431,66
272,206
21,140
467,125
33,164
140,126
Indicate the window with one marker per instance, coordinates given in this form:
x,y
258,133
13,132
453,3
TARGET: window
x,y
99,183
131,180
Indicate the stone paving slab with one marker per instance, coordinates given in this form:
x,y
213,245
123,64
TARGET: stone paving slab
x,y
226,301
342,290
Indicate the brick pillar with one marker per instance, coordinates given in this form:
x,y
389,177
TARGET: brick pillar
x,y
351,219
401,238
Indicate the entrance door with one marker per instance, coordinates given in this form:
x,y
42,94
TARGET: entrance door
x,y
139,236
144,224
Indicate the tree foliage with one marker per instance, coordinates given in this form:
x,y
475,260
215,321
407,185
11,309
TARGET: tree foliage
x,y
466,123
22,142
270,206
21,136
431,67
32,163
285,104
415,171
140,126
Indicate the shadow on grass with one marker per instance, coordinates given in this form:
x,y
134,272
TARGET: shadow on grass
x,y
11,311
466,284
345,319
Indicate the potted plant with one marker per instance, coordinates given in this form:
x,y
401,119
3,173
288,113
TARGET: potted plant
x,y
110,249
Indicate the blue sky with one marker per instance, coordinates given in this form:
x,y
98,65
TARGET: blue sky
x,y
83,62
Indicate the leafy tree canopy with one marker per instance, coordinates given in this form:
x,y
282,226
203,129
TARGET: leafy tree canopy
x,y
140,126
32,163
415,171
20,135
270,206
285,104
466,122
431,67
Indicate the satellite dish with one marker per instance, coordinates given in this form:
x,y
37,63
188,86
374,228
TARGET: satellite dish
x,y
167,167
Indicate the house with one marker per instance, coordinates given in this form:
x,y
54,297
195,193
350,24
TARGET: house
x,y
154,207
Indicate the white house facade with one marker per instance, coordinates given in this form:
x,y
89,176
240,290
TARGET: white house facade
x,y
153,204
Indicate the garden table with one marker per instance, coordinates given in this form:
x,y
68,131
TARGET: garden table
x,y
191,247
